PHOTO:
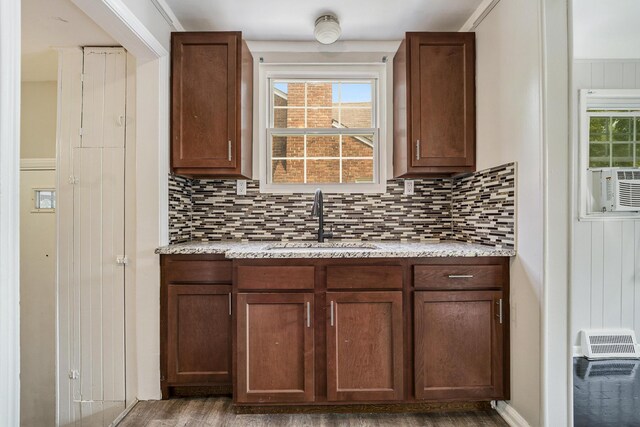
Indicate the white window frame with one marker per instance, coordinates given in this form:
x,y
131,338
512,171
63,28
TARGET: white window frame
x,y
602,98
376,72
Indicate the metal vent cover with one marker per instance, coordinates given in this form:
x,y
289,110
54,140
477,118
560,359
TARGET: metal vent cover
x,y
609,343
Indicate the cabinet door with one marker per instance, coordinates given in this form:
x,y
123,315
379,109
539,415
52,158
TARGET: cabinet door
x,y
458,345
199,334
442,96
275,348
204,100
364,346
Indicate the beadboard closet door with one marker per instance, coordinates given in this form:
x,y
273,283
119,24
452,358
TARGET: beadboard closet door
x,y
98,238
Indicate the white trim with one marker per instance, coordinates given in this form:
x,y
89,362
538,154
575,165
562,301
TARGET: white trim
x,y
556,363
10,212
353,48
36,164
585,95
384,137
478,15
124,413
510,415
121,23
167,13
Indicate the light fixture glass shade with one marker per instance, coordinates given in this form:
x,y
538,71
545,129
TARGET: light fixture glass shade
x,y
327,29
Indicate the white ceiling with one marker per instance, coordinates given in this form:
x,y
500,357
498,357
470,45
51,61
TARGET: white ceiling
x,y
47,24
294,19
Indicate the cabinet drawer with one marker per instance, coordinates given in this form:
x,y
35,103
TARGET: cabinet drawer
x,y
457,276
275,277
364,277
197,271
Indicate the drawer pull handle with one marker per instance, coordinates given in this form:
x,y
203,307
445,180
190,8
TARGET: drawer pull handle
x,y
229,303
417,149
308,314
331,313
461,276
229,152
499,302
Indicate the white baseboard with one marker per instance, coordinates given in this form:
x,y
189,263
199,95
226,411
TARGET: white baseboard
x,y
510,415
123,414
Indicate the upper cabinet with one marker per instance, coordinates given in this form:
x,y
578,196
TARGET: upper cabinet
x,y
212,102
434,104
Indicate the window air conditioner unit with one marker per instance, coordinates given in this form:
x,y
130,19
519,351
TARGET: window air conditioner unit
x,y
619,189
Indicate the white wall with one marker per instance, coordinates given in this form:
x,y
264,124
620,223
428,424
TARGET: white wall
x,y
605,285
38,107
509,129
606,29
37,306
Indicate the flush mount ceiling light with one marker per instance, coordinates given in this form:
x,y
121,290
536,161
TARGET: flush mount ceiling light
x,y
327,29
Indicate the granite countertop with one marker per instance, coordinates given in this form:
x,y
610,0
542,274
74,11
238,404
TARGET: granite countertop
x,y
335,249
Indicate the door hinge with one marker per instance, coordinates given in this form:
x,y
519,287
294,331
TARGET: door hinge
x,y
122,260
73,180
82,77
80,131
74,374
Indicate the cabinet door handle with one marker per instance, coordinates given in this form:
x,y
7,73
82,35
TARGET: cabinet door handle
x,y
499,302
417,149
308,314
461,276
229,150
229,303
331,313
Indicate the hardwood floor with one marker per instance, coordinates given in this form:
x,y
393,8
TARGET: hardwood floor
x,y
219,412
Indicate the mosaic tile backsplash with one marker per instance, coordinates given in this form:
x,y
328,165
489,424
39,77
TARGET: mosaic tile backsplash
x,y
204,209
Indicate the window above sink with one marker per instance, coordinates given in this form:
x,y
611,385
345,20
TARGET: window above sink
x,y
322,126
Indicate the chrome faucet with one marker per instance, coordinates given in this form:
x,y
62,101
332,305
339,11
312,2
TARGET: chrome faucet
x,y
318,210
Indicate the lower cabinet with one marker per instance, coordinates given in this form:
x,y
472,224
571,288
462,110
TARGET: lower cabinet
x,y
458,342
364,346
275,348
199,334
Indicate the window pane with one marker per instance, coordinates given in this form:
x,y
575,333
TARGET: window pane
x,y
287,171
622,155
638,155
357,146
359,93
323,146
295,94
637,128
320,94
621,128
599,129
599,155
355,117
284,118
45,199
357,170
287,146
319,118
323,171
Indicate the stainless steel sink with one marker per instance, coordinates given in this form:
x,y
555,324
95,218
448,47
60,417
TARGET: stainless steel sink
x,y
326,246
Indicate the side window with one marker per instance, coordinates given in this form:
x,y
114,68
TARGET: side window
x,y
609,154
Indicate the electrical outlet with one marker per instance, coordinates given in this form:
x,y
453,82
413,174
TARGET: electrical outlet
x,y
241,187
408,187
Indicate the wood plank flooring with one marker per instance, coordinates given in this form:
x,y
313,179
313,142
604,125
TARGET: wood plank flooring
x,y
218,411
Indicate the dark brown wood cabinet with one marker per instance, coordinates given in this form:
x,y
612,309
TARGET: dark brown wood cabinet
x,y
336,331
458,344
195,325
365,346
211,104
199,334
434,104
275,348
